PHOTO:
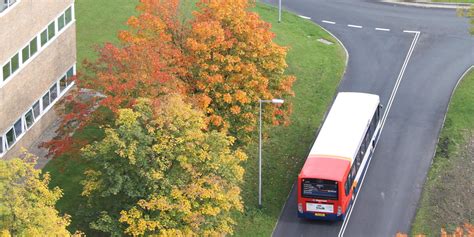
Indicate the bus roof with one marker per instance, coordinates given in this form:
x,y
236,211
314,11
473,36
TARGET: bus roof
x,y
325,168
344,127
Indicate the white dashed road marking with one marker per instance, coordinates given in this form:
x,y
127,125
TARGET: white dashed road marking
x,y
329,22
305,17
355,26
411,31
382,29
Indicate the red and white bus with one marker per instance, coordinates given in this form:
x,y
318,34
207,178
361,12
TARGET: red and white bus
x,y
338,159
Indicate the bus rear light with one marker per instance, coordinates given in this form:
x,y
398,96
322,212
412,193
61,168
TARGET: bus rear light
x,y
300,207
339,210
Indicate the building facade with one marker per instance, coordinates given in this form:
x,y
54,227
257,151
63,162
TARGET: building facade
x,y
37,62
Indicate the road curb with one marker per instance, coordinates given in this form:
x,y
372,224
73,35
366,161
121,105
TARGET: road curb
x,y
429,4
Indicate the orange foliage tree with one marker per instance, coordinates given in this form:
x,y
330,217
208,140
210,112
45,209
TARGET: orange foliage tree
x,y
145,64
226,61
234,63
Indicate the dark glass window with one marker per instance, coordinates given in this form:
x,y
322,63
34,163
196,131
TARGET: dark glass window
x,y
1,145
15,63
29,118
70,74
53,91
6,71
18,128
62,84
61,22
33,47
44,37
68,15
25,54
348,184
319,188
46,101
51,31
36,110
11,138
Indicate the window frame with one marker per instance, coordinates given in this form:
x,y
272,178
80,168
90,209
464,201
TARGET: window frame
x,y
27,124
27,48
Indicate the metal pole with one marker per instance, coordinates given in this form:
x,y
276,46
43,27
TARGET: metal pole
x,y
260,155
279,11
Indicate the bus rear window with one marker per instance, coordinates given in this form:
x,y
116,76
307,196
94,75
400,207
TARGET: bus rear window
x,y
319,188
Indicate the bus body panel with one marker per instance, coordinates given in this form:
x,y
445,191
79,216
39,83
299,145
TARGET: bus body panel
x,y
322,170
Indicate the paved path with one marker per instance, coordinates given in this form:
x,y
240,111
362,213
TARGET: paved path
x,y
412,57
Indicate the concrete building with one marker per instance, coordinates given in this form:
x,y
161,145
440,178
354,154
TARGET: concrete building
x,y
37,61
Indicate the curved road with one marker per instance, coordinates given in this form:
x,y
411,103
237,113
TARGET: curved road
x,y
415,74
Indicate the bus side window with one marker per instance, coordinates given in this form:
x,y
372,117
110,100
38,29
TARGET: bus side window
x,y
348,184
353,171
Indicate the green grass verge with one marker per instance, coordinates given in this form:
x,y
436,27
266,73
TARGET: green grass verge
x,y
446,201
318,68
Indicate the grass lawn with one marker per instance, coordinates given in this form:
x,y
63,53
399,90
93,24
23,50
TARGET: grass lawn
x,y
447,195
318,68
99,21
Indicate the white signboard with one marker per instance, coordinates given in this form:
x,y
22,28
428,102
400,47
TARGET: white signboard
x,y
316,207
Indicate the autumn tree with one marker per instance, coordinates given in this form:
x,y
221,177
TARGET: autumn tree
x,y
26,202
226,61
234,63
158,172
145,63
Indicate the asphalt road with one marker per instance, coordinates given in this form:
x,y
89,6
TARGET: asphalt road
x,y
420,70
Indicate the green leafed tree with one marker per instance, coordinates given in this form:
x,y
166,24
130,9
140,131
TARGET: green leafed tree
x,y
27,205
158,172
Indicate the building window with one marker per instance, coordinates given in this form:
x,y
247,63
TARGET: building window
x,y
25,54
36,109
44,37
10,138
33,47
15,63
4,4
18,128
61,22
6,71
53,92
29,119
62,84
46,101
51,30
68,15
10,67
1,145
